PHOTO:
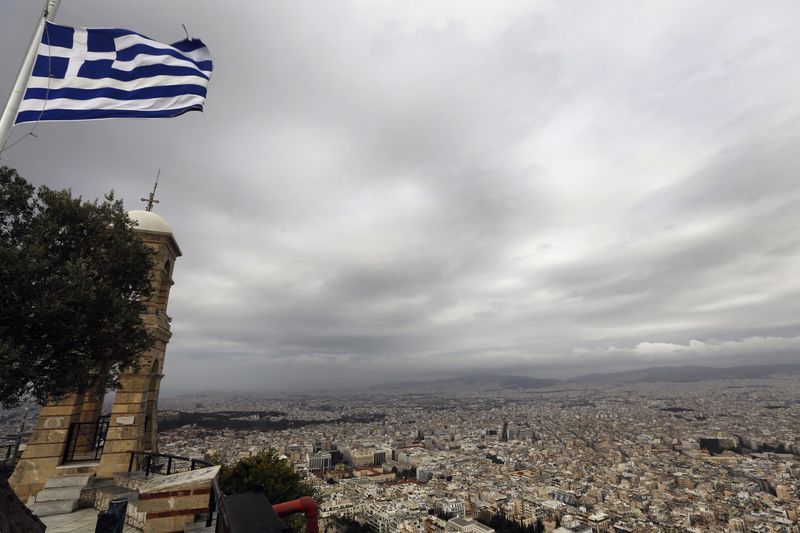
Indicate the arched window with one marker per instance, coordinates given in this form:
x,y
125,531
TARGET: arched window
x,y
163,288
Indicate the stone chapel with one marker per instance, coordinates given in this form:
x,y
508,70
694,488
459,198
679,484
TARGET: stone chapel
x,y
74,435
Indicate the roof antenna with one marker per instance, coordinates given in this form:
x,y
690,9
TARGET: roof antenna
x,y
186,32
151,198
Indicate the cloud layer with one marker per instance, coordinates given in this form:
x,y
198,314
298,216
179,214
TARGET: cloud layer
x,y
388,191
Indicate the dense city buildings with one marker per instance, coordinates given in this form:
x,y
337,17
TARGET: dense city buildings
x,y
711,456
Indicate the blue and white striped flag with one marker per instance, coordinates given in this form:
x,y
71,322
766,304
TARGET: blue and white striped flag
x,y
91,73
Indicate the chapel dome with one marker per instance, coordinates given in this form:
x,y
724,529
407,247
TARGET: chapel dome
x,y
150,222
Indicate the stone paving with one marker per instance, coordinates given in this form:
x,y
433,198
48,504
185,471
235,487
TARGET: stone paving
x,y
81,521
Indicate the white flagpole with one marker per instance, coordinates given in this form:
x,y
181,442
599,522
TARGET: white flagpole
x,y
14,100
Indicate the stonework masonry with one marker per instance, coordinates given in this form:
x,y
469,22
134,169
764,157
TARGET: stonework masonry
x,y
133,422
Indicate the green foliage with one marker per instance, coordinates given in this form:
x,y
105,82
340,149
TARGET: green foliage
x,y
72,274
346,525
264,472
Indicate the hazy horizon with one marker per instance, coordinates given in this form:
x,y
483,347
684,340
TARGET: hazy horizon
x,y
561,379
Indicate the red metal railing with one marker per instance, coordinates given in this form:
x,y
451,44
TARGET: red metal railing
x,y
306,505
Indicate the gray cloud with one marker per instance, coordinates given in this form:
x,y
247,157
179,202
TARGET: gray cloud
x,y
381,191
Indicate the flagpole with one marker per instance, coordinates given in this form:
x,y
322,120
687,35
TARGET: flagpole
x,y
17,92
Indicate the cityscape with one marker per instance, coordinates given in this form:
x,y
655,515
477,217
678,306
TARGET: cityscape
x,y
638,457
703,456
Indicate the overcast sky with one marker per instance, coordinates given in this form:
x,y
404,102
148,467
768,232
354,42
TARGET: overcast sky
x,y
380,190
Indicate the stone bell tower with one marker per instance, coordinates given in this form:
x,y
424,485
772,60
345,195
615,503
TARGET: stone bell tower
x,y
133,422
72,434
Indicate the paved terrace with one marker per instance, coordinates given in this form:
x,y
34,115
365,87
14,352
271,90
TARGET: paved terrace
x,y
81,521
85,520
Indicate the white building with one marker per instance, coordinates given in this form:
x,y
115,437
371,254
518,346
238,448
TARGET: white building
x,y
467,525
319,462
451,506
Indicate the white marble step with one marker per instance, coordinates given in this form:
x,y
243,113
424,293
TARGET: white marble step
x,y
68,480
55,507
60,493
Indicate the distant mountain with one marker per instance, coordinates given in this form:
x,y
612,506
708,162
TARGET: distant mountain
x,y
673,374
688,374
474,381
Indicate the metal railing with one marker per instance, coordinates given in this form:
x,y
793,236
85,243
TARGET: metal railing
x,y
8,453
306,505
9,447
162,463
216,502
85,440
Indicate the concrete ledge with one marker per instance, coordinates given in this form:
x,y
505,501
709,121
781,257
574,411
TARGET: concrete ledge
x,y
59,493
133,480
51,508
68,480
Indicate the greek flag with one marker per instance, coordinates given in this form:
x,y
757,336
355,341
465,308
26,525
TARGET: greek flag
x,y
91,73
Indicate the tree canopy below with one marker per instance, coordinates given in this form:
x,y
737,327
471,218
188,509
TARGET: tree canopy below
x,y
73,277
265,472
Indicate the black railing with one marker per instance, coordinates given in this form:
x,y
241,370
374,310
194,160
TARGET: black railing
x,y
85,440
216,503
9,447
8,453
162,463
